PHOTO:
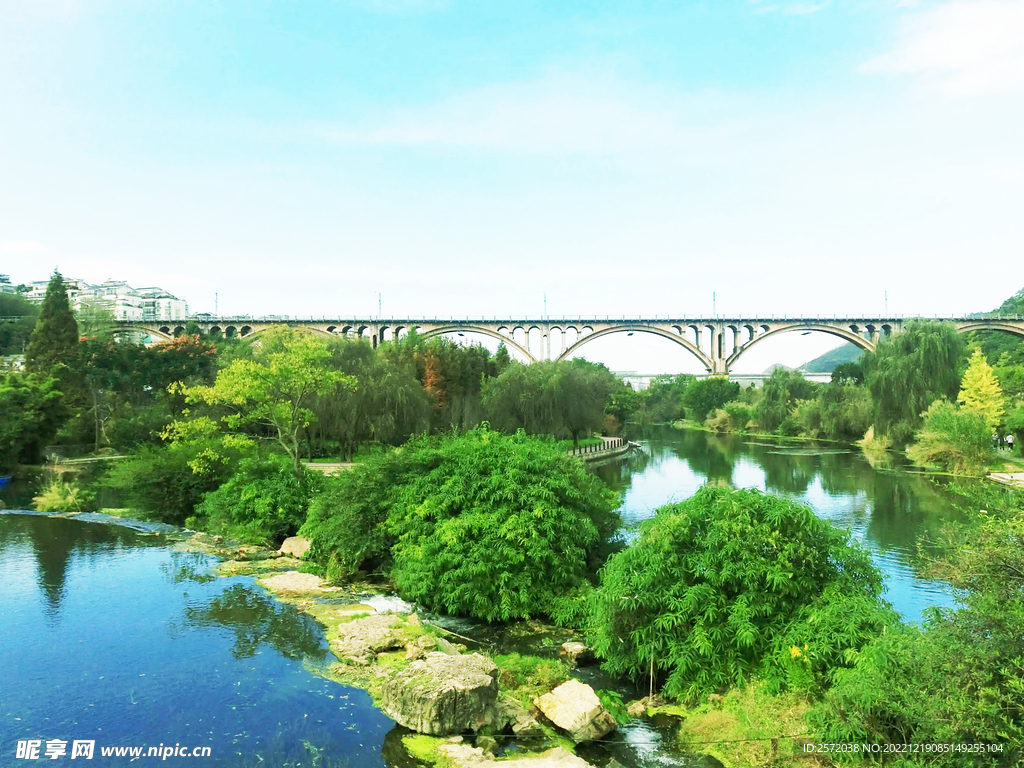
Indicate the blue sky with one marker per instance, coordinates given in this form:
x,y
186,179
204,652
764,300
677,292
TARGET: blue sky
x,y
467,158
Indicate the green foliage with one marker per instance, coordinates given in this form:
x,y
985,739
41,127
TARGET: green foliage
x,y
166,482
846,411
550,398
848,373
58,496
958,440
386,405
717,585
612,701
958,680
910,370
500,528
662,401
703,396
732,417
263,502
998,346
55,334
527,677
14,335
275,390
980,390
31,411
778,398
346,521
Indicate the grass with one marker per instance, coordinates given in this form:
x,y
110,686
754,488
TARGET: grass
x,y
425,748
524,678
739,729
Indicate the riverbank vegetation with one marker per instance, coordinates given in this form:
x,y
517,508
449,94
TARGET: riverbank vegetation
x,y
466,502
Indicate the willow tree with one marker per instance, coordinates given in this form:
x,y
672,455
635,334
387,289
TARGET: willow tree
x,y
909,371
55,336
276,390
980,390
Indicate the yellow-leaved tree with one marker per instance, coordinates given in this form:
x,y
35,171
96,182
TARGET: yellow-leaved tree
x,y
980,390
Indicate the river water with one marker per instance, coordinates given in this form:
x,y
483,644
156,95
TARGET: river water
x,y
107,635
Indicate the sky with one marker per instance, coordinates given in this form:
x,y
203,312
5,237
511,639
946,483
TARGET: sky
x,y
476,158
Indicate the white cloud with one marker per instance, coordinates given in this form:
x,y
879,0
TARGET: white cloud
x,y
962,47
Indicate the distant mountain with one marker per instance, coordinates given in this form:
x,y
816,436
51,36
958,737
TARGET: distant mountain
x,y
847,353
772,368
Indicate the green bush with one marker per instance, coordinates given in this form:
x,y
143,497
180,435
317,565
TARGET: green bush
x,y
500,528
958,440
167,482
262,503
960,679
704,396
717,588
346,519
58,496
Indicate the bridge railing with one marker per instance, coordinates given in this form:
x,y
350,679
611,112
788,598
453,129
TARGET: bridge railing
x,y
218,320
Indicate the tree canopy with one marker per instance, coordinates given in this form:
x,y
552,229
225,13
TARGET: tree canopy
x,y
55,335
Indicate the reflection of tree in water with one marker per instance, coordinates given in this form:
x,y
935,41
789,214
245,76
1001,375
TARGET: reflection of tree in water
x,y
907,509
57,543
618,474
256,619
709,454
189,566
788,471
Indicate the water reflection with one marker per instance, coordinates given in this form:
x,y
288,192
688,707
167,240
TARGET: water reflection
x,y
256,619
891,512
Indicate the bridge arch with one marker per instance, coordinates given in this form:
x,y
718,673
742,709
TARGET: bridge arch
x,y
508,340
843,333
685,343
990,325
162,334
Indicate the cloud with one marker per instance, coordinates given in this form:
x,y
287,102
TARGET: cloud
x,y
961,47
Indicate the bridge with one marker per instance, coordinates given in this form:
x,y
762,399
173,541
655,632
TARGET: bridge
x,y
717,342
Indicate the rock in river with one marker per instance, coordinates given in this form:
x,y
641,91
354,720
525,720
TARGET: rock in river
x,y
443,694
296,546
360,641
574,707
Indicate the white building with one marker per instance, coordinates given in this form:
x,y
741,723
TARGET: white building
x,y
117,297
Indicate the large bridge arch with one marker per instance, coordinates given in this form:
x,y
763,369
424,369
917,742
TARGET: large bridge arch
x,y
155,333
681,341
843,333
992,325
508,340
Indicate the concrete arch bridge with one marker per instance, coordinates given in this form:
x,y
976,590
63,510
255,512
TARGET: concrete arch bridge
x,y
717,343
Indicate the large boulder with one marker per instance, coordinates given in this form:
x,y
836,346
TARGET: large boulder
x,y
296,546
443,694
577,654
360,640
465,756
574,707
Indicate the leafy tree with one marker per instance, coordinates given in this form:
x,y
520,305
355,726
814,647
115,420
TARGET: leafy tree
x,y
14,334
980,391
55,336
999,345
703,396
846,411
955,439
848,373
778,398
908,372
275,390
662,400
386,406
262,502
32,409
721,587
550,398
500,528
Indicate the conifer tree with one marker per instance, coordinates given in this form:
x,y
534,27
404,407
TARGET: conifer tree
x,y
55,336
980,390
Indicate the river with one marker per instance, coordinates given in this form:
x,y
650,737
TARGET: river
x,y
107,635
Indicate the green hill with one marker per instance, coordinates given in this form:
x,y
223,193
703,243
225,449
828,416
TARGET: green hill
x,y
826,363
